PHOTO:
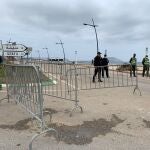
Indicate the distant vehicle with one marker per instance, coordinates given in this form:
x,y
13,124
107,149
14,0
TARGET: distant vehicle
x,y
56,59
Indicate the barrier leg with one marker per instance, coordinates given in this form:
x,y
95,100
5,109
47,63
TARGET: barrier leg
x,y
76,94
37,135
76,106
137,88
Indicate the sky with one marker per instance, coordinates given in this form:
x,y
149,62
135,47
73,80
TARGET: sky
x,y
122,27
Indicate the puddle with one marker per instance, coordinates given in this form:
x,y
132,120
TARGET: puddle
x,y
20,125
83,134
52,111
23,124
79,134
105,103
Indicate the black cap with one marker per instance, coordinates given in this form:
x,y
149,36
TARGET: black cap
x,y
99,53
146,55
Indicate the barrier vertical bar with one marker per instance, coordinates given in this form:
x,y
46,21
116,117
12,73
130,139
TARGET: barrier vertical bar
x,y
76,93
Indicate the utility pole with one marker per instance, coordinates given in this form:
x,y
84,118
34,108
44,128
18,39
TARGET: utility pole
x,y
75,57
146,51
47,52
105,51
62,49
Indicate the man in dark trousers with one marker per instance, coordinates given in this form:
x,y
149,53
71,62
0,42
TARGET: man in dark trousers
x,y
1,59
97,65
133,63
105,63
146,65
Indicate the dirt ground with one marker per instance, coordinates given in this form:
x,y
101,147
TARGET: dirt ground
x,y
112,119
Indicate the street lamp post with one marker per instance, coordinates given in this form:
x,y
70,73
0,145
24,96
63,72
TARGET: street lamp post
x,y
146,51
105,51
63,49
94,26
39,54
47,52
75,57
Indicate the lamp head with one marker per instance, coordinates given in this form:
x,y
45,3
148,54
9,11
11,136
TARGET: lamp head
x,y
84,24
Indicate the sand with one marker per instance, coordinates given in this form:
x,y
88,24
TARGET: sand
x,y
112,119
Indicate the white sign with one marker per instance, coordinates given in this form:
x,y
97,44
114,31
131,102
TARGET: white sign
x,y
15,54
14,47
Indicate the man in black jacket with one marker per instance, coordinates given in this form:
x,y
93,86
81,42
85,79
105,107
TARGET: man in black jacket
x,y
146,64
133,63
97,65
1,59
105,63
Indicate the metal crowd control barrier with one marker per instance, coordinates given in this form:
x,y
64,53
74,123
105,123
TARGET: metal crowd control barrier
x,y
24,86
27,84
67,79
119,76
2,74
58,81
2,80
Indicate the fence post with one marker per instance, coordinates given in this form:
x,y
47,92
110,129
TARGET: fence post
x,y
137,86
5,79
76,93
40,97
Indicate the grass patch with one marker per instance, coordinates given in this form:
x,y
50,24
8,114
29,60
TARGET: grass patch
x,y
28,75
2,74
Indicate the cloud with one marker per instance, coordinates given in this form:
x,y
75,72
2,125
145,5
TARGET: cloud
x,y
127,20
117,20
57,17
120,22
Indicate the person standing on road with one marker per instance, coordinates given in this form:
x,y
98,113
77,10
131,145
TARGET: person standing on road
x,y
1,59
105,63
97,65
145,63
133,63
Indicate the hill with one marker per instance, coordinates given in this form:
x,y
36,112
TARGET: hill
x,y
113,60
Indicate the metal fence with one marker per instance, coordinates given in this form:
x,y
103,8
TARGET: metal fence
x,y
119,76
54,78
58,81
23,85
2,80
66,80
27,84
